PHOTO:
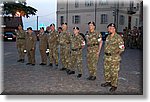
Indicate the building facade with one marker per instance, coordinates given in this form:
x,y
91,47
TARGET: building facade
x,y
102,12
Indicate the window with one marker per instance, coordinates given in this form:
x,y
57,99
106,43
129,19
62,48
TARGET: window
x,y
103,2
76,19
61,19
104,19
122,4
121,20
89,3
138,6
136,22
76,3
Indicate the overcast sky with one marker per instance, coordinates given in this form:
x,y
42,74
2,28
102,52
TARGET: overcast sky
x,y
46,12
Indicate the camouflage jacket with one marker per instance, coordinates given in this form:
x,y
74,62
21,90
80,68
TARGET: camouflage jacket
x,y
77,42
114,45
93,38
53,38
65,39
43,41
31,41
20,35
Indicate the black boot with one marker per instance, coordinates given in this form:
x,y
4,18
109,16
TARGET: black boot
x,y
79,75
71,72
62,69
89,78
19,60
93,78
112,89
50,64
106,84
28,63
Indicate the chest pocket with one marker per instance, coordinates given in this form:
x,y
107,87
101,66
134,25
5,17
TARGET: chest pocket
x,y
112,46
93,39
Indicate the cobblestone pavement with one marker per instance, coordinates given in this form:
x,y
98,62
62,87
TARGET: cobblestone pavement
x,y
20,78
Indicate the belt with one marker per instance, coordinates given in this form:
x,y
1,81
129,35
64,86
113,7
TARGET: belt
x,y
77,49
108,54
91,45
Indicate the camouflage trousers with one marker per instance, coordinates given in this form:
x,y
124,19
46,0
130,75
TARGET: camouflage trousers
x,y
31,56
111,69
21,48
53,54
76,61
43,56
92,60
65,56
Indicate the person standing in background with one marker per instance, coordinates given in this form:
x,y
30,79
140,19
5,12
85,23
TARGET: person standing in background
x,y
114,46
31,46
43,46
94,44
20,42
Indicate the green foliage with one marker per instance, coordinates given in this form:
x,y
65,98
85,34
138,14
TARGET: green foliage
x,y
12,8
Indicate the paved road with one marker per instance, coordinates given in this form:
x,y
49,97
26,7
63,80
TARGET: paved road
x,y
22,79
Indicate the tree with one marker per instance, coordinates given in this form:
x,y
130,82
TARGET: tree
x,y
11,8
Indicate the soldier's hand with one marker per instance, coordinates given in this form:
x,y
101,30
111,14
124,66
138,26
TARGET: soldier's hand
x,y
32,48
97,54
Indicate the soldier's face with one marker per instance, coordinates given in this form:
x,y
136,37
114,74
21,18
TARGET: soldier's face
x,y
64,27
52,28
29,31
91,27
41,30
75,31
111,29
19,27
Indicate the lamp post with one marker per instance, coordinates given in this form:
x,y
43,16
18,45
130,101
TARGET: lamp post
x,y
116,14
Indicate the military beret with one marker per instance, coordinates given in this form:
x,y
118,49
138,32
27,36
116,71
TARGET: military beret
x,y
92,23
64,23
52,24
42,28
29,28
20,25
111,25
76,28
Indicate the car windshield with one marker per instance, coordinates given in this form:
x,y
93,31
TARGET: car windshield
x,y
8,33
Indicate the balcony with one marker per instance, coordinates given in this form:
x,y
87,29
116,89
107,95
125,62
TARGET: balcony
x,y
131,10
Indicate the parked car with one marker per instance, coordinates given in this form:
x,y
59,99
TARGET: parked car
x,y
9,36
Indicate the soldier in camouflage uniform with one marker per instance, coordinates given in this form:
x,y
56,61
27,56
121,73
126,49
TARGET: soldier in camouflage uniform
x,y
53,42
64,41
31,46
43,46
134,36
94,43
77,43
20,42
114,46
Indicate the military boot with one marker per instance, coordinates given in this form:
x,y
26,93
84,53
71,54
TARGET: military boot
x,y
79,75
91,78
106,84
19,60
71,72
112,89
